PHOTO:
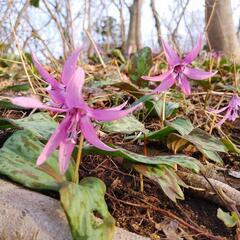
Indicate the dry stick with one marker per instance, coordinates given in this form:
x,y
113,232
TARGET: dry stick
x,y
230,203
212,93
170,215
59,25
235,73
200,182
215,115
24,66
96,49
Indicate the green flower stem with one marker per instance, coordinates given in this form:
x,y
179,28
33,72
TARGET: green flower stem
x,y
79,157
164,108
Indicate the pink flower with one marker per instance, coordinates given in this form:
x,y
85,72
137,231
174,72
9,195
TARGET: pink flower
x,y
178,71
233,110
67,97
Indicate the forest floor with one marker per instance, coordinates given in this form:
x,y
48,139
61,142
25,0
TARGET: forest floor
x,y
151,213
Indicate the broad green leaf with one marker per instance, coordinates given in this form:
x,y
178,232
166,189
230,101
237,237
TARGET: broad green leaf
x,y
130,88
115,81
214,156
177,143
6,104
17,87
166,177
159,134
231,147
40,124
128,125
118,54
183,126
86,210
140,64
204,140
230,220
142,99
169,160
155,107
18,158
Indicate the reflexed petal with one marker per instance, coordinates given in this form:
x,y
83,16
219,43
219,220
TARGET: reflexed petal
x,y
45,75
197,74
234,115
65,151
185,85
218,110
170,54
235,101
30,102
58,136
73,95
226,116
195,51
157,78
70,66
120,107
107,115
165,84
90,134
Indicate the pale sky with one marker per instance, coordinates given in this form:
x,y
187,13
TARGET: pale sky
x,y
194,17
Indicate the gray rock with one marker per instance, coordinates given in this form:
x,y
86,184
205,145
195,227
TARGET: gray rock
x,y
27,215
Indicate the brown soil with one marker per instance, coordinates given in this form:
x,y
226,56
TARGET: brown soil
x,y
147,213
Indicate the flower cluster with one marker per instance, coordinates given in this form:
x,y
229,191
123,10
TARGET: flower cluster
x,y
232,110
66,97
178,70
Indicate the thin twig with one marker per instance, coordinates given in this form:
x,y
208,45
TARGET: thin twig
x,y
96,49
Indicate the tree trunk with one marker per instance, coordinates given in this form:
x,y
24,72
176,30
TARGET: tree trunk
x,y
122,24
134,32
157,21
221,34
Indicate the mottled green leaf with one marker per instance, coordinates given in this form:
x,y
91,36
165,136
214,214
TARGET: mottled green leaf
x,y
17,87
166,177
87,210
169,160
128,125
40,124
118,54
183,126
230,220
130,88
231,147
155,108
204,140
6,104
140,64
159,134
18,161
214,156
